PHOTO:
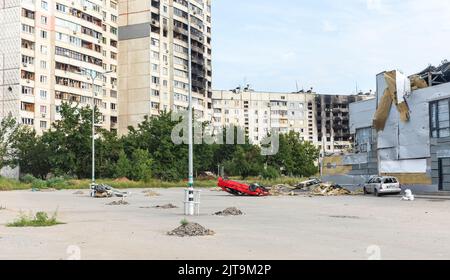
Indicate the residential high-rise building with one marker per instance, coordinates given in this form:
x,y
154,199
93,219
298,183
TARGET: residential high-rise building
x,y
153,62
47,47
261,112
329,115
320,119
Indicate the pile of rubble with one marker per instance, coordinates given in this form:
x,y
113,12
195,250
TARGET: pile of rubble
x,y
117,203
312,187
330,190
166,206
232,211
191,229
282,190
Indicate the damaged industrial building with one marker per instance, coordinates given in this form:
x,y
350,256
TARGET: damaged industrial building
x,y
403,132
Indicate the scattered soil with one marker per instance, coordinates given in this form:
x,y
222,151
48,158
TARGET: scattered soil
x,y
216,189
191,229
117,203
232,211
150,193
78,193
166,206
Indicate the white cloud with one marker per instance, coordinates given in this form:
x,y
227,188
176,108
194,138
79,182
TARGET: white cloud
x,y
327,26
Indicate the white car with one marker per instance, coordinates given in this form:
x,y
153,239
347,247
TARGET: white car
x,y
382,185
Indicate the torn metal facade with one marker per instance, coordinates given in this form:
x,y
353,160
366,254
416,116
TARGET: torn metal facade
x,y
413,145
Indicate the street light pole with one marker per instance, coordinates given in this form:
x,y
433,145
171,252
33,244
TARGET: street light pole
x,y
190,119
93,75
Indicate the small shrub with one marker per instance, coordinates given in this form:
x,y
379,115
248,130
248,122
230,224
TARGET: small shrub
x,y
39,184
58,183
28,179
270,173
184,222
41,219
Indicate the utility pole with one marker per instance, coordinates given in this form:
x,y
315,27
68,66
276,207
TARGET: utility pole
x,y
191,205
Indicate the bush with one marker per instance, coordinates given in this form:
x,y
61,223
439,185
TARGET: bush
x,y
270,173
41,219
57,183
28,179
142,166
39,184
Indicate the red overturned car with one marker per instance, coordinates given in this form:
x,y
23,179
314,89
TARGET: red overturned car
x,y
240,189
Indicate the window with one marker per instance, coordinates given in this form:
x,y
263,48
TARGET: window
x,y
43,34
440,119
27,90
155,80
27,121
27,29
363,139
43,64
43,49
44,20
43,125
113,18
44,5
43,94
27,60
43,109
43,79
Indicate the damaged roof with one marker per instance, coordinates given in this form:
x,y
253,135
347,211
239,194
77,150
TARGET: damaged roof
x,y
436,75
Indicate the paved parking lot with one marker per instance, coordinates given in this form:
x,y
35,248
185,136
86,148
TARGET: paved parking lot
x,y
350,227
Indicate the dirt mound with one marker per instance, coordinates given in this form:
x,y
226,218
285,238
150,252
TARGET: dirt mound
x,y
191,229
150,193
166,206
78,193
232,211
117,203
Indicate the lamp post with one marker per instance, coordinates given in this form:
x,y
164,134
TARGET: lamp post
x,y
3,84
93,75
191,205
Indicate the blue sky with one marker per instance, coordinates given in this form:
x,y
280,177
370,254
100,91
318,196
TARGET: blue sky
x,y
326,44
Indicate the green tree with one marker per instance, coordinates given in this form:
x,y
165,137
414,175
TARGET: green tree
x,y
295,156
122,167
141,166
8,128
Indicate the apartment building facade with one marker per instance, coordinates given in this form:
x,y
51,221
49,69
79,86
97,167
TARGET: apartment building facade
x,y
153,62
259,113
320,119
46,50
331,121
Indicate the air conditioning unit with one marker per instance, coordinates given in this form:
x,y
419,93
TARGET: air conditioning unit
x,y
74,32
44,116
25,65
84,8
153,21
28,81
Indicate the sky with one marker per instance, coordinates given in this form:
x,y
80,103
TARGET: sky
x,y
332,46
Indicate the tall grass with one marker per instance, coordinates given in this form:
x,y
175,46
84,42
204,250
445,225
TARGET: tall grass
x,y
41,219
9,185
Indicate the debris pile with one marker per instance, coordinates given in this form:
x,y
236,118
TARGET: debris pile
x,y
166,206
282,190
150,193
232,211
103,191
117,203
191,229
330,190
